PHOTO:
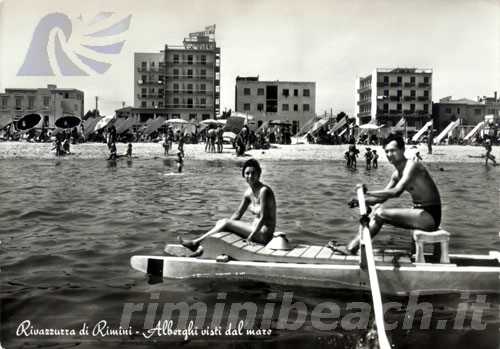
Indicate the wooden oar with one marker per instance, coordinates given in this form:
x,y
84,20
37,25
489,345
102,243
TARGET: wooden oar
x,y
367,252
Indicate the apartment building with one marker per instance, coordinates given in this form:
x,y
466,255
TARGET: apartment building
x,y
386,96
180,81
48,102
288,101
470,112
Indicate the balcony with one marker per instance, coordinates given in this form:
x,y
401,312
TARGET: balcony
x,y
423,98
382,84
424,84
149,96
409,98
395,84
149,82
190,92
395,98
364,88
394,111
364,101
148,70
187,77
192,63
364,113
189,106
409,84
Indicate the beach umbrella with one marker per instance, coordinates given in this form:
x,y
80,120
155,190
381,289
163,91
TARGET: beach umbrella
x,y
68,121
5,119
177,121
212,122
28,121
370,126
89,125
154,125
241,115
229,136
103,122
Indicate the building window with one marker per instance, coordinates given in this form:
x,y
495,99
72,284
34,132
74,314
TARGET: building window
x,y
286,92
203,101
5,99
295,92
176,58
412,107
176,87
160,104
144,65
143,104
426,93
399,106
176,73
426,107
305,107
260,92
400,79
203,74
246,107
190,74
306,92
386,107
31,102
176,102
400,93
412,80
192,116
152,90
152,64
426,79
284,107
19,101
46,101
458,110
160,91
190,59
189,102
477,111
203,59
205,116
386,79
153,104
260,107
412,93
386,93
246,91
189,88
295,106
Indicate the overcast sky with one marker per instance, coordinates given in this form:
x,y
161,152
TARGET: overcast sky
x,y
328,42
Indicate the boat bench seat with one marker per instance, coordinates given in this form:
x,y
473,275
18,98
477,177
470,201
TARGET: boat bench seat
x,y
438,236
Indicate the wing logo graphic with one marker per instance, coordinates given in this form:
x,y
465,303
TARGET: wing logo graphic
x,y
65,47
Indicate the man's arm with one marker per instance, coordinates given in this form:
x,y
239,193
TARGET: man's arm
x,y
394,188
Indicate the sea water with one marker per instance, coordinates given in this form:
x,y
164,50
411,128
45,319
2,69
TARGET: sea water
x,y
68,229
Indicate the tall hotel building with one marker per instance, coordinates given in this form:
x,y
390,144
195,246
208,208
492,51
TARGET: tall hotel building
x,y
178,82
290,101
400,96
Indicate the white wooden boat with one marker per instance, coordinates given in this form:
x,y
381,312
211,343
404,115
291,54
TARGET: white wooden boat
x,y
318,266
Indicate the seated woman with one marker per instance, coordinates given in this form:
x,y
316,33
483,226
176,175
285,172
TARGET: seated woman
x,y
259,199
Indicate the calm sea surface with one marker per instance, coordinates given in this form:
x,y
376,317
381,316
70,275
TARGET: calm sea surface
x,y
68,229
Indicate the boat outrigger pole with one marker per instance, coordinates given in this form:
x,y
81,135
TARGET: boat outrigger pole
x,y
367,260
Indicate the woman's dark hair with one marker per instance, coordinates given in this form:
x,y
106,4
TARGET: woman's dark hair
x,y
251,163
394,137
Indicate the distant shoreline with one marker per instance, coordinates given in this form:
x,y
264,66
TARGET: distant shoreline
x,y
305,152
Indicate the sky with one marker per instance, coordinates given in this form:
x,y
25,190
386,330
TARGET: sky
x,y
326,41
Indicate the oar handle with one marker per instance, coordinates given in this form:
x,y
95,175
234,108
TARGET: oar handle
x,y
360,190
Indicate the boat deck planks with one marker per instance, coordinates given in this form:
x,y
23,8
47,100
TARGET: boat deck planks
x,y
312,251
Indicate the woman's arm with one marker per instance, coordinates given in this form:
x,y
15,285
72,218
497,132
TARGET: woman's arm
x,y
242,208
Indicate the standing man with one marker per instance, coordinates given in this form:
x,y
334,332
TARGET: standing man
x,y
409,176
489,156
430,139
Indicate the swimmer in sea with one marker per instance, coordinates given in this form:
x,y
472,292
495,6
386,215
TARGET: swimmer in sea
x,y
258,199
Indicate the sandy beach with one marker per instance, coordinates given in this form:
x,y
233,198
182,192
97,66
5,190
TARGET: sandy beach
x,y
37,151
